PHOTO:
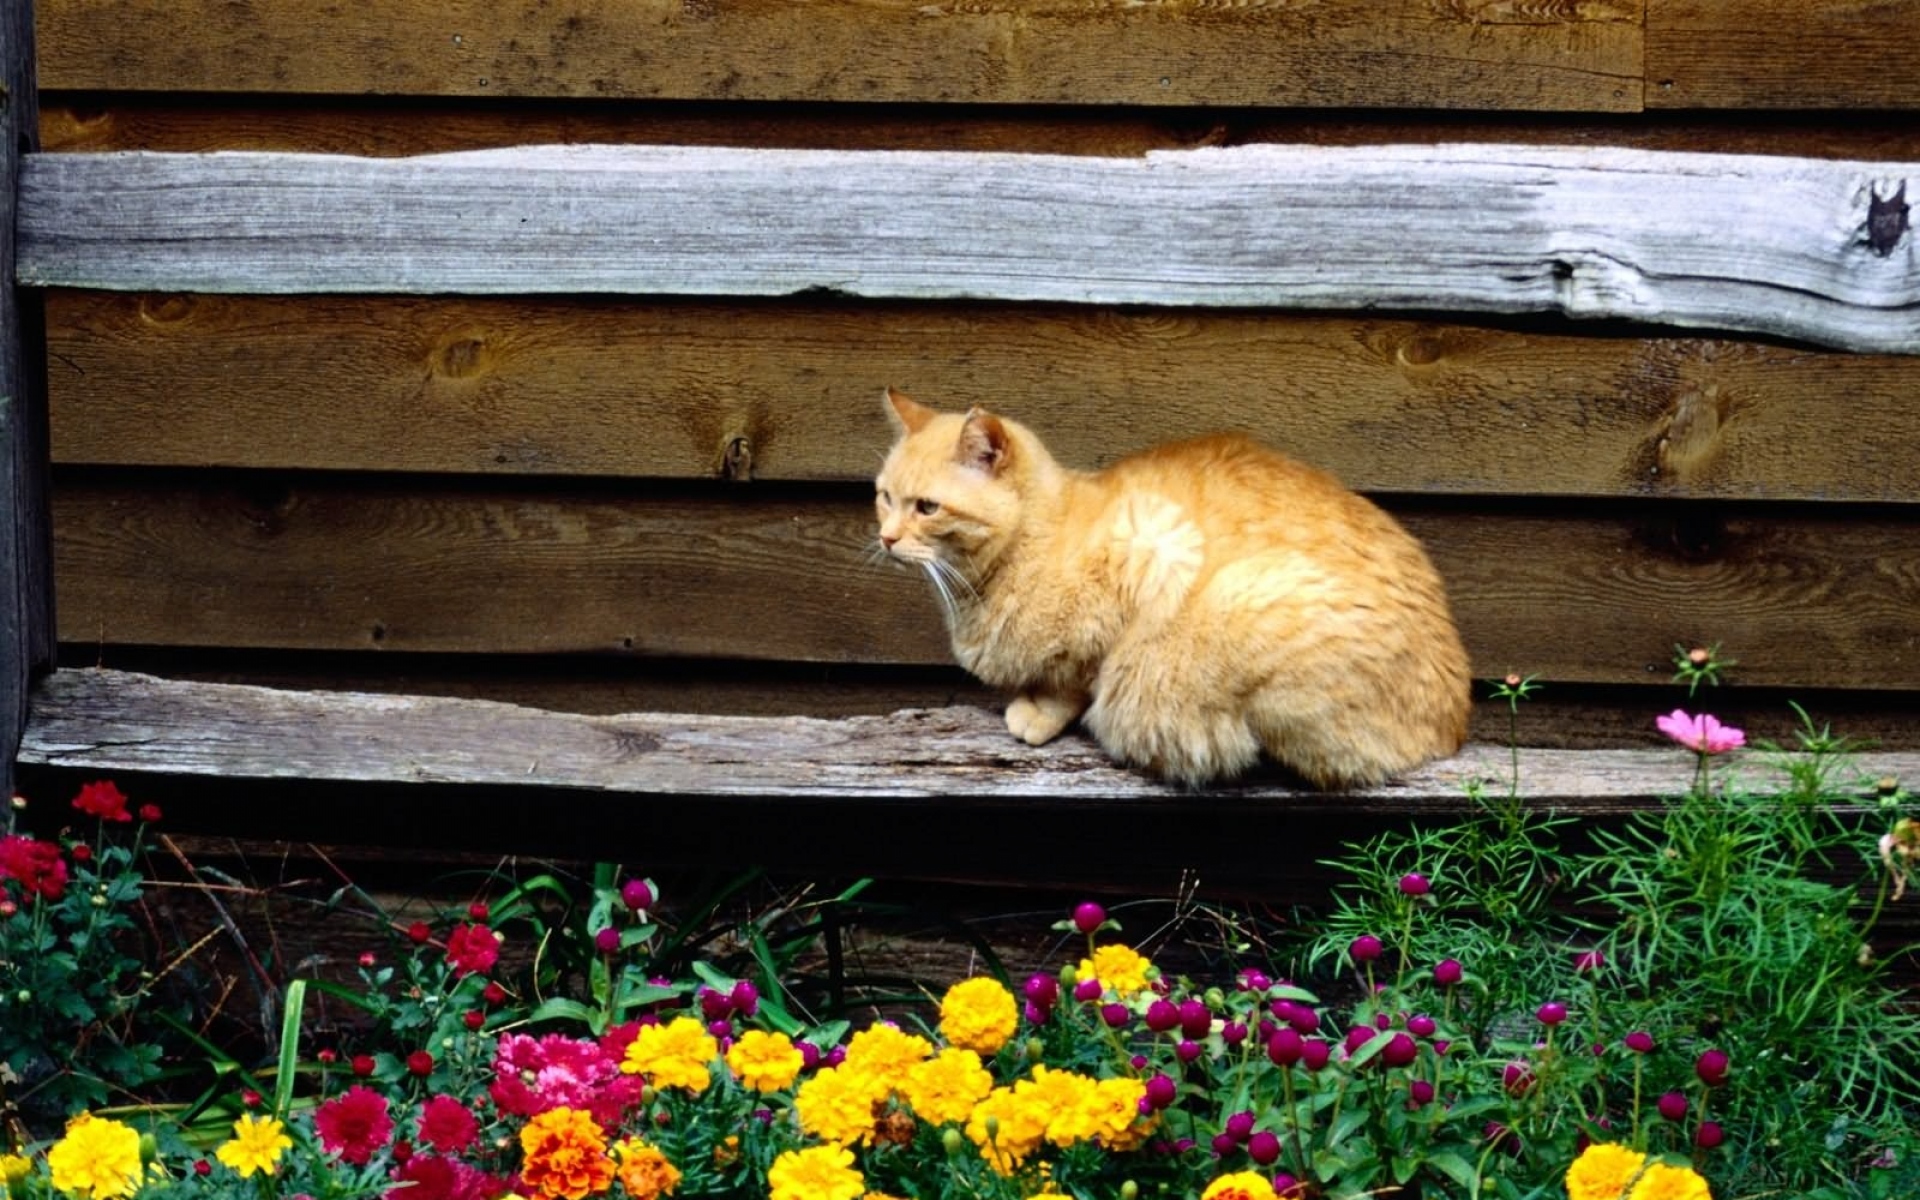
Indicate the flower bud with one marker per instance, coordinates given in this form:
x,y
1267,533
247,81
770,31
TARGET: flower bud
x,y
1263,1147
1448,972
1709,1135
953,1142
1640,1042
1088,917
1160,1091
1711,1067
1551,1013
1400,1050
1162,1015
606,940
1422,1025
1365,948
1413,883
636,894
1672,1106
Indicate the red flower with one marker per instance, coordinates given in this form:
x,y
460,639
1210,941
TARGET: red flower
x,y
102,799
493,993
472,949
362,1064
419,933
354,1125
473,1019
82,853
36,864
149,813
477,911
431,1177
446,1125
420,1062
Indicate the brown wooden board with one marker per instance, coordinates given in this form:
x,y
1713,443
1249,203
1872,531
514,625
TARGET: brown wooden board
x,y
1356,53
1782,54
1578,592
400,126
789,390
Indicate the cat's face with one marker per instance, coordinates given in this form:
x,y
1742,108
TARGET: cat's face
x,y
945,497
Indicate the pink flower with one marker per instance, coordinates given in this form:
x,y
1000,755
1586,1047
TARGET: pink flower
x,y
354,1125
472,949
431,1177
532,1075
446,1125
1703,734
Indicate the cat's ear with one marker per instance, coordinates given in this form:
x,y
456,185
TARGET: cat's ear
x,y
904,414
983,442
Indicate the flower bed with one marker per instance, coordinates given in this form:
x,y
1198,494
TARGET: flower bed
x,y
1499,1007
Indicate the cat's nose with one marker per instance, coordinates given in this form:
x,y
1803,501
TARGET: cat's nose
x,y
886,543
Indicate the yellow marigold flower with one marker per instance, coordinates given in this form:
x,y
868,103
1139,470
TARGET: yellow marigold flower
x,y
1112,1111
885,1052
978,1015
816,1173
1241,1185
643,1170
257,1144
838,1105
673,1055
1603,1171
1063,1101
1120,969
765,1062
565,1155
946,1087
97,1158
1008,1128
1663,1182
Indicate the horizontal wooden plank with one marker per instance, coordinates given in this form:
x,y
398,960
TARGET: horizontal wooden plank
x,y
787,391
106,721
1561,716
1351,53
1580,593
397,127
1754,243
1782,54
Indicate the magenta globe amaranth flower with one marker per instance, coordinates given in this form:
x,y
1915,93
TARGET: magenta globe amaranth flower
x,y
1709,1135
1517,1078
1224,1144
1365,948
1448,972
1640,1042
1160,1091
1315,1054
1551,1013
1672,1106
636,894
1400,1050
1186,1050
1304,1019
1254,980
1263,1147
1163,1015
1041,990
1088,917
745,998
1087,990
1240,1126
1357,1037
607,940
1285,1047
1422,1025
1115,1015
1588,961
1711,1067
1195,1020
1413,883
1233,1033
1420,1093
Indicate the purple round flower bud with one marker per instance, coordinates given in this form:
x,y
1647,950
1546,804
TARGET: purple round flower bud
x,y
1041,989
1640,1042
1672,1106
635,894
1160,1091
1195,1020
1254,981
745,998
1440,1046
1551,1013
1709,1135
1186,1051
1400,1050
1223,1145
1163,1015
1420,1093
1588,961
1413,883
1365,948
1087,990
1422,1025
1263,1147
721,1029
1265,1029
1240,1126
1285,1047
1711,1067
1283,1010
1448,972
1088,917
1382,1022
1233,1033
1315,1054
1517,1078
1286,1186
1357,1037
1304,1019
835,1057
1037,1015
607,940
1138,1062
713,1005
809,1055
1115,1015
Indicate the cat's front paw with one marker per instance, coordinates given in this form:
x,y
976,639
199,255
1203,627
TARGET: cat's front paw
x,y
1037,720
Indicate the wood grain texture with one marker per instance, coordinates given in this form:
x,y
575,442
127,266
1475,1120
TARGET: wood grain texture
x,y
1745,242
1578,593
1782,54
683,390
104,721
1354,53
378,127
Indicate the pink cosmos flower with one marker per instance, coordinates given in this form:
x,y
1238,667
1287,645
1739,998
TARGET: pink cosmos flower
x,y
1703,734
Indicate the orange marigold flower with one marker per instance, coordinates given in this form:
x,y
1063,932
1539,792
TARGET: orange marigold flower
x,y
566,1155
643,1170
673,1055
979,1015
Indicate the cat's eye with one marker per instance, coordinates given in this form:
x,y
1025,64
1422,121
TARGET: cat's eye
x,y
925,507
885,498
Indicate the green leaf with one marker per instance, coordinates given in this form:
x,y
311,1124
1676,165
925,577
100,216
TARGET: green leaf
x,y
1453,1167
294,1010
559,1008
1345,1126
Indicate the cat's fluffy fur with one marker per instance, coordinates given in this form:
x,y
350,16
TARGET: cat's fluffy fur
x,y
1196,603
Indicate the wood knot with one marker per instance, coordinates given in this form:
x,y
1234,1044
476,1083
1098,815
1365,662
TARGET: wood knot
x,y
168,309
1421,350
461,358
1693,438
736,459
1887,219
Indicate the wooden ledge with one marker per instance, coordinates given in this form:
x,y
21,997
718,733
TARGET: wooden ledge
x,y
110,721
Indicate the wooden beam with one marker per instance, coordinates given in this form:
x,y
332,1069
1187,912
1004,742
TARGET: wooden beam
x,y
26,595
1478,54
107,721
1783,54
1578,592
1754,243
784,390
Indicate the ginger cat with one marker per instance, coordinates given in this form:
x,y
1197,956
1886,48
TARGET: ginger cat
x,y
1195,603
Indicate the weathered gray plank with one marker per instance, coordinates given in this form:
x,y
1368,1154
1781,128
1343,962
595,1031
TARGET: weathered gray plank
x,y
26,595
114,721
1762,244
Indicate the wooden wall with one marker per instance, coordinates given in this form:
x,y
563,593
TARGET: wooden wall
x,y
609,504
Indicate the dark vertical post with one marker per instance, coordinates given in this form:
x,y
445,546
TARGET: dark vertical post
x,y
26,538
